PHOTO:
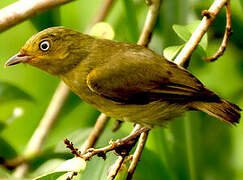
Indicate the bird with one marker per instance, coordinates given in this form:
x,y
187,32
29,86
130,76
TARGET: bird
x,y
124,81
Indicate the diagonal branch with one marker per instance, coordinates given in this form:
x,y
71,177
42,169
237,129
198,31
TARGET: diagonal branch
x,y
24,9
137,154
194,40
95,133
115,168
121,147
41,132
149,22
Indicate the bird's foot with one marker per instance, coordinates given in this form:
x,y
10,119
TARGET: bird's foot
x,y
121,147
134,135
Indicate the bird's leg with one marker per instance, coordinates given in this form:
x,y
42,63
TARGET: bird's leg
x,y
121,147
134,134
117,125
124,145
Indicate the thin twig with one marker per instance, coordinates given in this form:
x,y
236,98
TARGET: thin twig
x,y
70,146
21,170
95,133
24,9
154,7
54,108
194,40
115,168
38,137
117,125
121,148
227,33
137,154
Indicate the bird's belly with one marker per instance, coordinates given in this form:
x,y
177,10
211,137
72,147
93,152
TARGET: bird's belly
x,y
154,113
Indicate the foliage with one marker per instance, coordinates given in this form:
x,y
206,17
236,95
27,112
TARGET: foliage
x,y
195,146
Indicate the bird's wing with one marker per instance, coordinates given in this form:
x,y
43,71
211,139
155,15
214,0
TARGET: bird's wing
x,y
144,81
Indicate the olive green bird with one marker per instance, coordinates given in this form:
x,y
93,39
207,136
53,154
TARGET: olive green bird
x,y
123,80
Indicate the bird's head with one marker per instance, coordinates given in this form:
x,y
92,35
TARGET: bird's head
x,y
55,50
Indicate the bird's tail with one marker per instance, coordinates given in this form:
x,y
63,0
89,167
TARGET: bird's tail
x,y
222,109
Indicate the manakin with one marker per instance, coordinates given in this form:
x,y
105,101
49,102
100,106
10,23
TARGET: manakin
x,y
123,80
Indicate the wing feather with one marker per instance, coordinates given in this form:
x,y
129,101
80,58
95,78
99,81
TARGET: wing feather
x,y
143,81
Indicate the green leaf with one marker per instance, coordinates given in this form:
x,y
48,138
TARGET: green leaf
x,y
182,32
51,176
63,170
185,32
10,92
75,164
200,51
192,27
171,52
59,169
45,166
97,168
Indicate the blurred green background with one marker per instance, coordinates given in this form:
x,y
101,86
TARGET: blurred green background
x,y
194,146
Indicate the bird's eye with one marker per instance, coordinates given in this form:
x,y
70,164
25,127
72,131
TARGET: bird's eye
x,y
44,45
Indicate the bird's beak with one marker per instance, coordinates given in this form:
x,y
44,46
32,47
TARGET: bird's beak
x,y
18,58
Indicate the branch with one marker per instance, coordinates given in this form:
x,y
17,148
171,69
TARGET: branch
x,y
194,40
95,133
54,108
149,22
121,147
227,33
137,154
115,168
117,125
38,137
24,9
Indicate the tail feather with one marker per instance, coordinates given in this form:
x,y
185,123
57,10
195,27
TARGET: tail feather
x,y
222,109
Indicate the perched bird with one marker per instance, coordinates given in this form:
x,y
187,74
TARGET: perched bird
x,y
123,80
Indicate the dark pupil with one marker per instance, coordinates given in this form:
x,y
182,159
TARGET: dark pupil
x,y
44,46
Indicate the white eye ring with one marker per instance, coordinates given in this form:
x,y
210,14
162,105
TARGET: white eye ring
x,y
44,45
